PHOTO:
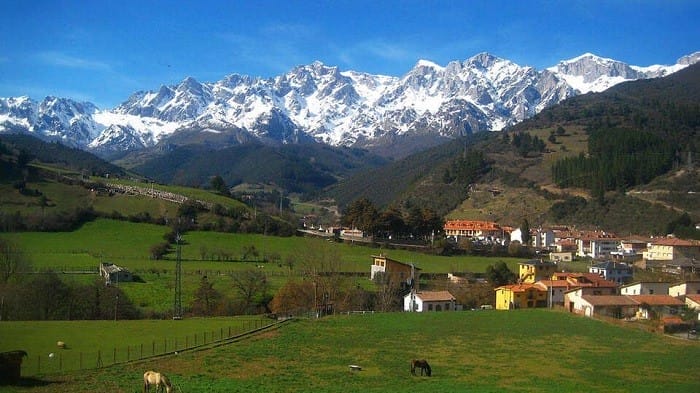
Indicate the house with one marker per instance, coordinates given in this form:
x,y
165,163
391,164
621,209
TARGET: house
x,y
561,256
544,238
607,305
693,302
114,274
535,270
618,272
394,271
555,290
573,296
514,296
657,305
458,229
671,248
425,301
645,288
672,255
562,282
596,244
684,288
631,248
625,306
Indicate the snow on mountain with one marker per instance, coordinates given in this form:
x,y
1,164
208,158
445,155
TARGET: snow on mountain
x,y
591,73
321,103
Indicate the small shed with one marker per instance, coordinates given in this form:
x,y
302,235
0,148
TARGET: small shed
x,y
11,366
114,274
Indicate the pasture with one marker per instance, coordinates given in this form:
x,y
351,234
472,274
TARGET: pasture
x,y
217,255
471,351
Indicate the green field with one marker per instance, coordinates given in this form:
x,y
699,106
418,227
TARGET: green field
x,y
473,351
213,254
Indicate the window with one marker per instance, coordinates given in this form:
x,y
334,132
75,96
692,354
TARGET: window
x,y
430,307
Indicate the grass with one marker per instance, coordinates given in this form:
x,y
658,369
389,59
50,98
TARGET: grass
x,y
484,351
127,244
115,341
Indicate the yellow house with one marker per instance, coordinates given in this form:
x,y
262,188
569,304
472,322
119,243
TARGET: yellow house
x,y
509,297
532,271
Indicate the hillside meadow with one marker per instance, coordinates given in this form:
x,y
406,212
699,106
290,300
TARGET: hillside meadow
x,y
214,254
471,351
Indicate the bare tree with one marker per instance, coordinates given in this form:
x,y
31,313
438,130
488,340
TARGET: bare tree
x,y
12,260
252,287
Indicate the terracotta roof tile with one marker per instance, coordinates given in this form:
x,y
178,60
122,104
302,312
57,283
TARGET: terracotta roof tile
x,y
435,296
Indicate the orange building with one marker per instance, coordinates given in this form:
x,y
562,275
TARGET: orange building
x,y
472,228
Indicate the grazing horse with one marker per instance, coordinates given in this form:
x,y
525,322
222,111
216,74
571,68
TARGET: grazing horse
x,y
422,364
151,378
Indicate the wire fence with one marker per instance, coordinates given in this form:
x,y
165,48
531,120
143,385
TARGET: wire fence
x,y
67,359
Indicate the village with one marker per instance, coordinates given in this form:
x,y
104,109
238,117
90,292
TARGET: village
x,y
607,289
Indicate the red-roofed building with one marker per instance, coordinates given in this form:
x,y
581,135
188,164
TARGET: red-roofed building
x,y
672,255
597,244
458,229
626,306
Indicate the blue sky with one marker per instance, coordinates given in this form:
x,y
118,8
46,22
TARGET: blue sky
x,y
103,51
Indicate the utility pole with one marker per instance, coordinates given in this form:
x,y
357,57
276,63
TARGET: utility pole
x,y
177,307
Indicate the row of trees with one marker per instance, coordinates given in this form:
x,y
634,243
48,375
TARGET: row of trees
x,y
404,221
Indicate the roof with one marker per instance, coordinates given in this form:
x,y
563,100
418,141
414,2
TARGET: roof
x,y
472,225
538,262
673,241
394,261
694,298
657,300
435,296
520,287
612,265
609,300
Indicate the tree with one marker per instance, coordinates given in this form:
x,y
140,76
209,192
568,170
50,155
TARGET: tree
x,y
206,298
251,286
217,184
12,260
499,274
525,232
294,297
360,214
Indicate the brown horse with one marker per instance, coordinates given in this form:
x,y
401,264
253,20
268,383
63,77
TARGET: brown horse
x,y
423,365
152,378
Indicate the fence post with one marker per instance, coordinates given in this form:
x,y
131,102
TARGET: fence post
x,y
165,345
128,353
141,355
114,355
221,334
187,344
60,362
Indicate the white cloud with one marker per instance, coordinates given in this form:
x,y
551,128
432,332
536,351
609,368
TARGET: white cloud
x,y
61,59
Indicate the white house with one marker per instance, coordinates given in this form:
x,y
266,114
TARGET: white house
x,y
645,288
424,301
684,288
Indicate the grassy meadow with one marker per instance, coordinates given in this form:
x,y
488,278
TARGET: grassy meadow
x,y
471,351
214,254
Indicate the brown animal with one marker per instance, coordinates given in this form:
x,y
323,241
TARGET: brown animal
x,y
160,381
423,365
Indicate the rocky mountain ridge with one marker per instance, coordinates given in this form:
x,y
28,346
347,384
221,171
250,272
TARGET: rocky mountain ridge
x,y
320,103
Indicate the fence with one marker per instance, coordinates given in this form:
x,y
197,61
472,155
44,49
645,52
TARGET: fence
x,y
67,360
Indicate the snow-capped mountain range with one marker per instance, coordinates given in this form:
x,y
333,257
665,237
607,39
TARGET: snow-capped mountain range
x,y
321,103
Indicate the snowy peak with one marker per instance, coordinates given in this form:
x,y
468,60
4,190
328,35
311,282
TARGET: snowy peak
x,y
592,73
317,102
